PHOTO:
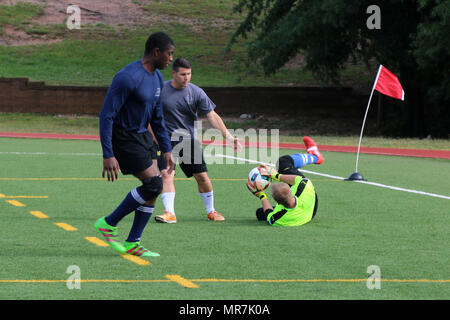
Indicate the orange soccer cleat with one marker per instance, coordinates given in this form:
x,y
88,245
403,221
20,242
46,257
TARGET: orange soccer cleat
x,y
166,217
215,216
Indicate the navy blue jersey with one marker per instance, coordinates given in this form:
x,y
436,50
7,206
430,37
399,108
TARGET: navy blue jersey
x,y
133,101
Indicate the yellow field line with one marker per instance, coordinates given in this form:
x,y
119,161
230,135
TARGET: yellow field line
x,y
84,280
39,214
66,226
135,259
27,197
180,280
416,280
279,281
57,179
101,243
24,197
79,179
321,280
97,241
123,179
16,203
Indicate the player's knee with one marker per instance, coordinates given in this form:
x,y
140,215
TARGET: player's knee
x,y
202,177
151,188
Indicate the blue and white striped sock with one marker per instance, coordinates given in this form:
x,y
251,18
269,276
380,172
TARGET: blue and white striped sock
x,y
303,159
129,204
141,217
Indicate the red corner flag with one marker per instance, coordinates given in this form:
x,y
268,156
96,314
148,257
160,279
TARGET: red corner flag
x,y
388,84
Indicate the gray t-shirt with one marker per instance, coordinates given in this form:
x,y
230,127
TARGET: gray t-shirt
x,y
182,107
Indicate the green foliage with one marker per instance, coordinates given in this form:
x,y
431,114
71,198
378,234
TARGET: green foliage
x,y
432,53
281,29
413,43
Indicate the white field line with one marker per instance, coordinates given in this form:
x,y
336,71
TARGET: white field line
x,y
342,178
257,162
51,154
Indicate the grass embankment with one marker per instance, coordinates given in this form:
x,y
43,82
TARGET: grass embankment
x,y
92,55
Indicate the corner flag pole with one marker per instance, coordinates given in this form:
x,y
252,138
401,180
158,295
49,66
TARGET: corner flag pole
x,y
356,175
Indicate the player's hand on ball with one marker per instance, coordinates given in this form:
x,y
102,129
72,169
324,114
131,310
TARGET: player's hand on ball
x,y
269,172
258,191
264,170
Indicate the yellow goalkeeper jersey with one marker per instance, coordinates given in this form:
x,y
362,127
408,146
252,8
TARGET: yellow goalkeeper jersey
x,y
302,213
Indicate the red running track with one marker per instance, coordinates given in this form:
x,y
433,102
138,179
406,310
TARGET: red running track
x,y
441,154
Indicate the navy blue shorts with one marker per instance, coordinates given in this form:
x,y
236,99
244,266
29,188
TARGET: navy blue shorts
x,y
134,151
189,155
285,165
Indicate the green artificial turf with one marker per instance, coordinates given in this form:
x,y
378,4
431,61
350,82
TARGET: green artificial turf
x,y
404,234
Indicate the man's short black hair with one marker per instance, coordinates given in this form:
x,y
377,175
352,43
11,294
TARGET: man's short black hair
x,y
180,63
157,40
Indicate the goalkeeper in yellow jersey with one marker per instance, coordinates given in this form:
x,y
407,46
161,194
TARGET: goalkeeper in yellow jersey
x,y
295,195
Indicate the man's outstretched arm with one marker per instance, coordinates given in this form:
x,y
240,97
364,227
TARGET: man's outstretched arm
x,y
216,121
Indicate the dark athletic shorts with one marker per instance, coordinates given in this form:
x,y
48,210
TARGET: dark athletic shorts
x,y
134,151
189,154
285,165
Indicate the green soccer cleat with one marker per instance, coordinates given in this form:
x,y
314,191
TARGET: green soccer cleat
x,y
134,248
109,234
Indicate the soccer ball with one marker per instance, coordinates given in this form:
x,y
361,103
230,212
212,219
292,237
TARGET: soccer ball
x,y
255,176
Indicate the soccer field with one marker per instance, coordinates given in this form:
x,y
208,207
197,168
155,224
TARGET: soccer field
x,y
51,193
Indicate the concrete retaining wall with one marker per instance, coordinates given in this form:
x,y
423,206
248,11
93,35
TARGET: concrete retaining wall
x,y
24,96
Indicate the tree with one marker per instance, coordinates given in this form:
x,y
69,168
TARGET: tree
x,y
412,42
432,53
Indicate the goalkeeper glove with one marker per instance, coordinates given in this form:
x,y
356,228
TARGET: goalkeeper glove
x,y
257,192
270,172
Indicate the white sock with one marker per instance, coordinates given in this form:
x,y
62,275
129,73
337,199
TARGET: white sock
x,y
208,199
168,199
